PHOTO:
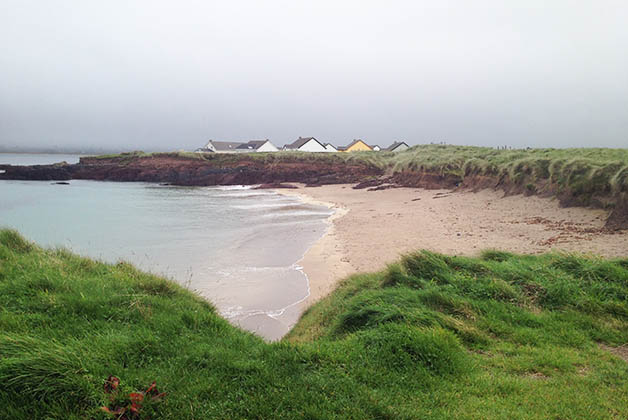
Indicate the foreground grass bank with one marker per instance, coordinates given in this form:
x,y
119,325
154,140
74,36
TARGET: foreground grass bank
x,y
500,336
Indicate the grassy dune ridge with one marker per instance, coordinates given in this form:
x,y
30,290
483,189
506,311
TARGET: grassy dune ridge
x,y
586,174
501,336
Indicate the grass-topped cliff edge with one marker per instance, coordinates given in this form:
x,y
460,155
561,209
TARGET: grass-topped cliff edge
x,y
500,336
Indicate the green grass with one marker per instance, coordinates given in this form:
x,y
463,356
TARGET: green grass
x,y
500,336
220,159
583,172
138,154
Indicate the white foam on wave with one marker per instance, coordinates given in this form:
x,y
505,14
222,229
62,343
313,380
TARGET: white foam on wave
x,y
228,272
294,221
259,206
239,312
232,187
278,313
296,213
275,212
243,194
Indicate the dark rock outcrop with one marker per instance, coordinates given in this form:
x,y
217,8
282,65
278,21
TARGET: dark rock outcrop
x,y
367,184
220,170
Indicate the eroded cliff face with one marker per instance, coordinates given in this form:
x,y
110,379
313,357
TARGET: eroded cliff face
x,y
222,170
251,170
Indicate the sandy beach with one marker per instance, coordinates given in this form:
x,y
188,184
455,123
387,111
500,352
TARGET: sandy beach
x,y
373,228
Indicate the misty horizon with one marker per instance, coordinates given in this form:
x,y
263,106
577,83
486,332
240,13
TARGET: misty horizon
x,y
160,76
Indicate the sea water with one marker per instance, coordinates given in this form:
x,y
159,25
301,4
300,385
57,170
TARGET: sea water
x,y
234,245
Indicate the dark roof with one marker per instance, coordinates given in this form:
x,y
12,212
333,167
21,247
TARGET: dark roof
x,y
252,145
225,145
395,145
300,142
237,145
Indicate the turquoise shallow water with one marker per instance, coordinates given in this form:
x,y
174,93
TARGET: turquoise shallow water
x,y
235,246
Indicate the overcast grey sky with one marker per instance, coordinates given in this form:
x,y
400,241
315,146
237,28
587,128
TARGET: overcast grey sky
x,y
169,75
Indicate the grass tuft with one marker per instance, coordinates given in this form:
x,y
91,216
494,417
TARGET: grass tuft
x,y
14,241
495,255
399,348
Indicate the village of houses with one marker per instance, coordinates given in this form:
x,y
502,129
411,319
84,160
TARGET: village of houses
x,y
302,144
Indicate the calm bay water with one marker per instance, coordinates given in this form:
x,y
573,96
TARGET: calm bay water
x,y
235,246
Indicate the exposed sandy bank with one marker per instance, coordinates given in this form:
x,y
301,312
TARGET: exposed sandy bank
x,y
372,228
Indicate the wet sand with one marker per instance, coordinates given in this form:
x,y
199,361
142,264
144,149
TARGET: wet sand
x,y
373,228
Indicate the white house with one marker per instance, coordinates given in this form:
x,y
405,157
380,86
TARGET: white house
x,y
258,146
330,147
306,144
239,147
221,146
398,146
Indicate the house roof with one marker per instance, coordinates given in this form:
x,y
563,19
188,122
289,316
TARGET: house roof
x,y
221,146
300,142
395,145
252,145
225,145
353,143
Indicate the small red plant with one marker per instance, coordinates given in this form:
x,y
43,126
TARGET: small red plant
x,y
129,408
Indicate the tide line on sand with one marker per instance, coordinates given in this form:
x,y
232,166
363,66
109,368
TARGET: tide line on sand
x,y
272,324
324,263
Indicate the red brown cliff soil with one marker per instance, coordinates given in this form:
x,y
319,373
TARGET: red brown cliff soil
x,y
218,170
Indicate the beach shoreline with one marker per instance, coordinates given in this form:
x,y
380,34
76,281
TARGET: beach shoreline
x,y
370,229
324,263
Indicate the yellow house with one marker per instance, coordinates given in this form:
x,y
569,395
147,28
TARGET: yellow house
x,y
356,146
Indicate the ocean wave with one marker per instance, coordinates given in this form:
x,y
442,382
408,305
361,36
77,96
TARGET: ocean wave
x,y
236,194
239,313
301,220
228,272
284,209
236,312
261,206
232,187
296,215
304,207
